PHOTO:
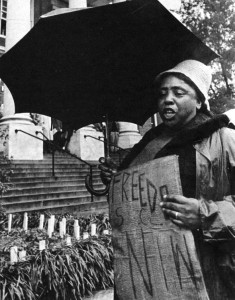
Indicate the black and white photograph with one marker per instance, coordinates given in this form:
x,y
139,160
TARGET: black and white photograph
x,y
117,150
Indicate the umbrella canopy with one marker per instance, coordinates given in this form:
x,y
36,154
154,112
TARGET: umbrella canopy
x,y
83,64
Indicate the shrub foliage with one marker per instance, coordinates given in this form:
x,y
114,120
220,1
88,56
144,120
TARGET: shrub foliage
x,y
59,272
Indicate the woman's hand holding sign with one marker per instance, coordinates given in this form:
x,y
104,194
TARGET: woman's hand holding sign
x,y
182,211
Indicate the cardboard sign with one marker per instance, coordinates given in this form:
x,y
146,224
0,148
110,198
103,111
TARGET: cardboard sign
x,y
153,258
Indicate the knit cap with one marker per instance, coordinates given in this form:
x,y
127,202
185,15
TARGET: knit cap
x,y
197,72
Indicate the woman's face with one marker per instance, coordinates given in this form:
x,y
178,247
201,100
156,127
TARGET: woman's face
x,y
177,102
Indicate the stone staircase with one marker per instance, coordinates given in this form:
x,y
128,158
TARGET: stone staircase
x,y
35,187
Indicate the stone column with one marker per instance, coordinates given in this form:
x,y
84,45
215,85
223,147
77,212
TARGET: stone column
x,y
18,24
128,135
77,3
13,142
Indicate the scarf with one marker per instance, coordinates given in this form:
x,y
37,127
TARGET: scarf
x,y
200,127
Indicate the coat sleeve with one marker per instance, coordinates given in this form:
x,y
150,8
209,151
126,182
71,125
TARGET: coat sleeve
x,y
218,218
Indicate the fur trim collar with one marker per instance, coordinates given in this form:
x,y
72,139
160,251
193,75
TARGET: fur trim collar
x,y
200,127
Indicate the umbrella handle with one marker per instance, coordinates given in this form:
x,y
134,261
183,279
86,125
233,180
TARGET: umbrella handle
x,y
88,183
88,179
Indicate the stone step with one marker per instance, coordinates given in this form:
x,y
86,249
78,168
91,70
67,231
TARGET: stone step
x,y
43,179
35,188
39,167
67,156
50,183
56,169
43,164
48,173
56,159
49,189
48,162
50,159
45,195
78,203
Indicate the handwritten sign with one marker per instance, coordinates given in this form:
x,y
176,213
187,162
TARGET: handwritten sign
x,y
153,258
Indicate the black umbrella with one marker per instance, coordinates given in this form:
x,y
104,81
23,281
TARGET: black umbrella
x,y
81,65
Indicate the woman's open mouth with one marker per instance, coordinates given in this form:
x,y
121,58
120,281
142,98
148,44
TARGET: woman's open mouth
x,y
168,113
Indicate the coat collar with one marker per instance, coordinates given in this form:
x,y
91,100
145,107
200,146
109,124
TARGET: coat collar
x,y
202,126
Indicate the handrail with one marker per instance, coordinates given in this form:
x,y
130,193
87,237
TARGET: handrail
x,y
88,179
105,142
63,150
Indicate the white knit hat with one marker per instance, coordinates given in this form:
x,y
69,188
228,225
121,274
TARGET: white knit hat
x,y
196,71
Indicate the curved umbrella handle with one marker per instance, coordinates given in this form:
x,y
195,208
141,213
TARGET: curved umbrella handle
x,y
88,183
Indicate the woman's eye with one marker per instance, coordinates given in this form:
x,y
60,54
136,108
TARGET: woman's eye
x,y
162,93
179,93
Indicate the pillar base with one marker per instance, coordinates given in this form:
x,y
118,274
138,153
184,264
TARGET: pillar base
x,y
128,135
16,145
86,148
128,141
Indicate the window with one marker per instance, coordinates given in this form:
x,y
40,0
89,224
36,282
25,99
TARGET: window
x,y
3,16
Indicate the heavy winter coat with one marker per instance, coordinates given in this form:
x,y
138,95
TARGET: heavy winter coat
x,y
214,154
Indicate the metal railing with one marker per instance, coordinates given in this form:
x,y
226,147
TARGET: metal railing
x,y
105,142
54,147
108,144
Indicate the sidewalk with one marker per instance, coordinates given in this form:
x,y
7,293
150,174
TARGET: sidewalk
x,y
101,295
